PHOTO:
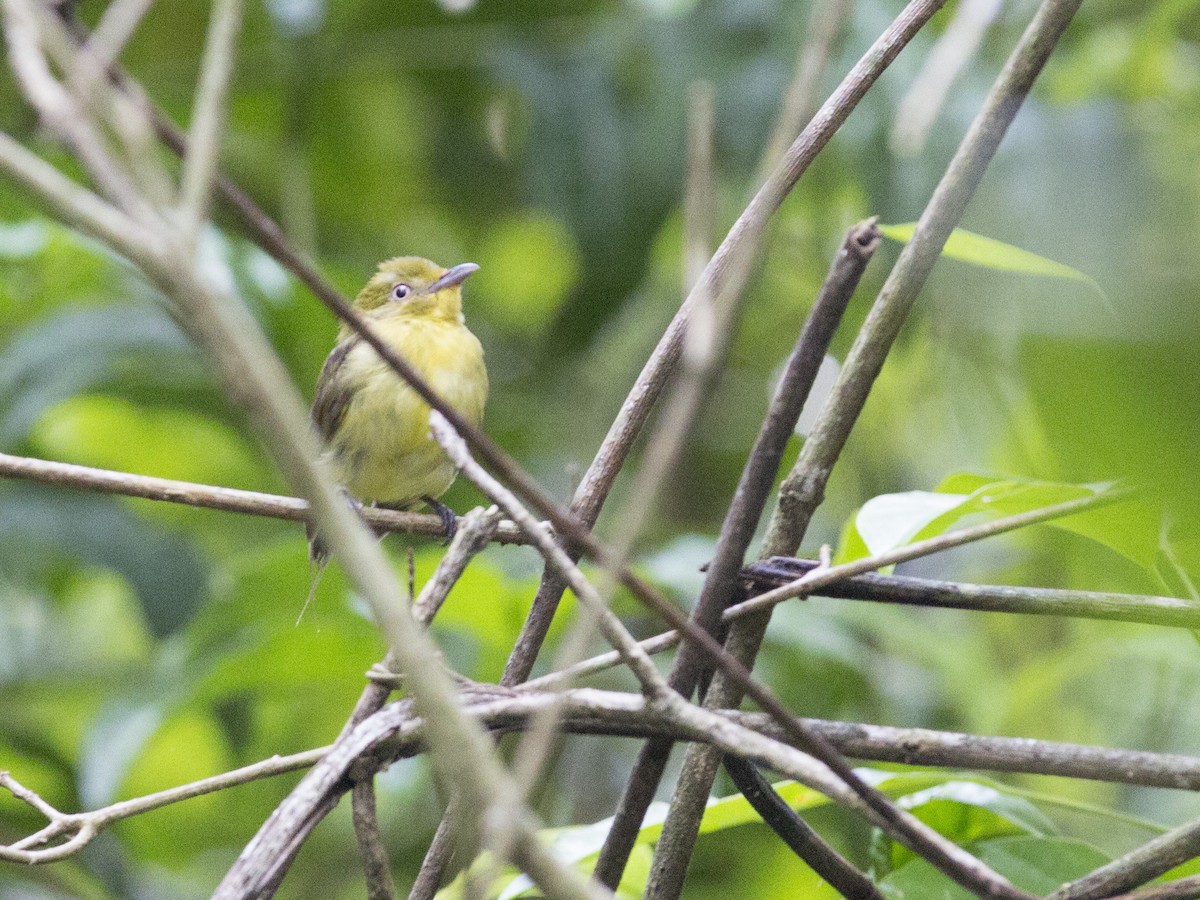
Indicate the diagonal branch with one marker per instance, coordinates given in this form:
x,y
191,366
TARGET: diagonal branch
x,y
804,487
1144,864
208,118
737,529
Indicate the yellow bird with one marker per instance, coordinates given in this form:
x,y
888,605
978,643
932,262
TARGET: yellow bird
x,y
374,425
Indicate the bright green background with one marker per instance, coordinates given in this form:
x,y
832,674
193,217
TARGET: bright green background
x,y
146,645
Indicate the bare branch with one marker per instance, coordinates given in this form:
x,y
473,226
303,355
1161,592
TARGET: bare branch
x,y
1164,611
1180,889
801,838
65,198
377,867
84,826
206,496
589,711
804,487
1144,864
820,577
737,529
60,112
208,118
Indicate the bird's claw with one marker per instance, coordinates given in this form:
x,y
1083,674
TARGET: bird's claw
x,y
449,519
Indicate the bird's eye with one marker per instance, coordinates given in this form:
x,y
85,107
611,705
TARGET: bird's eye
x,y
400,291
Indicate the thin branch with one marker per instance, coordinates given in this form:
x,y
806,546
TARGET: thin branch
x,y
206,496
822,576
1144,864
208,118
60,112
1147,610
377,867
474,531
65,198
1180,889
801,837
804,487
737,529
112,32
84,826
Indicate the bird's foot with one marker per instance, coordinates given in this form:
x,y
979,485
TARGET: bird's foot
x,y
449,519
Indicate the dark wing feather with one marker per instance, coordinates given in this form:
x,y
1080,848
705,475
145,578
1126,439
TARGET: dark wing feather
x,y
333,393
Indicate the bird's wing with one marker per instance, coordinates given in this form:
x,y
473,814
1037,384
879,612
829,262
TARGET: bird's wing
x,y
333,392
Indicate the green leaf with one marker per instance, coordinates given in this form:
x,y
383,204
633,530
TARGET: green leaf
x,y
989,253
1036,864
888,521
969,811
45,530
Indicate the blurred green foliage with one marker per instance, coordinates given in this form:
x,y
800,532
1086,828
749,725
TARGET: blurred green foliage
x,y
144,645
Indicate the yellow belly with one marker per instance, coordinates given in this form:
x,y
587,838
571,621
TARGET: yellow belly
x,y
383,450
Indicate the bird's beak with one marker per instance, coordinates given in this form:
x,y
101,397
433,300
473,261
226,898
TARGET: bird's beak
x,y
453,277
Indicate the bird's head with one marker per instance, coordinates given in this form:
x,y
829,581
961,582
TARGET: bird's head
x,y
412,286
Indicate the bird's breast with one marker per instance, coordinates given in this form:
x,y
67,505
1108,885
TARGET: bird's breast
x,y
383,446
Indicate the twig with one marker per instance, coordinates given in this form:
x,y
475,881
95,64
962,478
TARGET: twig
x,y
112,32
737,529
1181,889
804,487
377,867
821,577
84,826
801,837
475,530
206,496
208,118
902,589
1137,867
58,109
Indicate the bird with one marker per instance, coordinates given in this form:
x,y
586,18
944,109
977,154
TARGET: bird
x,y
374,426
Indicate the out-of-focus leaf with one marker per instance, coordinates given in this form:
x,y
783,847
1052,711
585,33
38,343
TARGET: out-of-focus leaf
x,y
113,433
188,747
1036,864
127,348
528,265
42,528
989,253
